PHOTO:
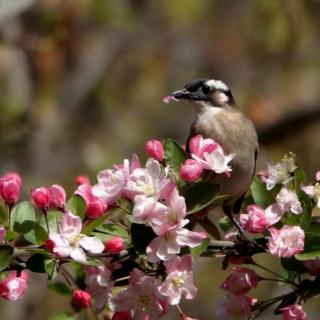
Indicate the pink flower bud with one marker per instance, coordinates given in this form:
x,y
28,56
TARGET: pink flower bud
x,y
255,221
293,312
96,209
57,197
82,179
191,170
2,233
121,315
114,245
13,287
241,281
41,197
155,149
10,186
81,299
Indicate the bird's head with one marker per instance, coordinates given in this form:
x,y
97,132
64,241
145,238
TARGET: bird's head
x,y
207,92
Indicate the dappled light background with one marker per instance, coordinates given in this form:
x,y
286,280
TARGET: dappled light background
x,y
82,83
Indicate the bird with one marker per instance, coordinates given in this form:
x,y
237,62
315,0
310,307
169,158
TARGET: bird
x,y
219,118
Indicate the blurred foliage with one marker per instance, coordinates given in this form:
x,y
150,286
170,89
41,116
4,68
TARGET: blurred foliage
x,y
82,80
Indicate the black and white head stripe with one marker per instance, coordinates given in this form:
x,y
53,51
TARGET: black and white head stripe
x,y
217,85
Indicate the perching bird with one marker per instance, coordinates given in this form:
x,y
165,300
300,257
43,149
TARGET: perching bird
x,y
218,118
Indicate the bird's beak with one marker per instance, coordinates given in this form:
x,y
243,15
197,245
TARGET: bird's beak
x,y
187,95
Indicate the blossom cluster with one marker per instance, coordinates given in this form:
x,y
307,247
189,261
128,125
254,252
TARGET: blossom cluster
x,y
134,229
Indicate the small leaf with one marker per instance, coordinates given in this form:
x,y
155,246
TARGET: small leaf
x,y
51,268
11,235
260,194
113,230
200,195
310,255
60,287
197,251
77,206
6,253
175,156
93,224
141,236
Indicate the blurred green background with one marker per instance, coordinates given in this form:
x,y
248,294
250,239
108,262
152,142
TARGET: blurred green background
x,y
82,83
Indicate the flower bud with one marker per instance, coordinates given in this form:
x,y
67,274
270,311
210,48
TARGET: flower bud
x,y
293,312
41,197
57,197
114,245
121,315
10,186
95,209
240,281
82,179
2,233
155,149
191,170
81,299
13,287
255,221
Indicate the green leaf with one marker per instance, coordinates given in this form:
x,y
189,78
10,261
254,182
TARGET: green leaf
x,y
11,235
308,255
141,236
200,195
93,224
197,251
6,253
23,220
51,268
77,206
63,316
113,229
60,287
260,194
175,156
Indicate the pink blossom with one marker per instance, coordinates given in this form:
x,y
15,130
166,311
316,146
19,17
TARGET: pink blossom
x,y
3,233
150,182
57,197
140,298
70,242
113,181
122,315
288,201
154,148
99,285
286,242
255,221
82,179
233,308
10,187
95,206
14,287
170,240
179,280
293,312
281,171
313,266
273,214
114,245
198,146
41,197
191,170
81,299
240,281
313,192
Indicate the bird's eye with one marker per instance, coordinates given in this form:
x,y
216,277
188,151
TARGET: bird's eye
x,y
205,89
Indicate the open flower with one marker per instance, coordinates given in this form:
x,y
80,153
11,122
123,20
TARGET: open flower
x,y
70,242
140,299
179,280
13,287
286,242
288,201
313,192
99,285
255,221
210,155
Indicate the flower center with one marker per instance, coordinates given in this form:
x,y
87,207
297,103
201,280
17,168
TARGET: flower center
x,y
147,188
74,242
143,301
177,281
